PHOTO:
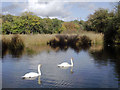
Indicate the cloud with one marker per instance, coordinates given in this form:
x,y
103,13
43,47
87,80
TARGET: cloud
x,y
85,5
51,9
13,7
66,11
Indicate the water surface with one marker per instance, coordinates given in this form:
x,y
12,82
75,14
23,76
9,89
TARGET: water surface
x,y
93,68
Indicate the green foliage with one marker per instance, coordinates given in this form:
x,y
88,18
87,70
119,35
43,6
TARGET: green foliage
x,y
29,23
112,32
98,21
106,22
71,27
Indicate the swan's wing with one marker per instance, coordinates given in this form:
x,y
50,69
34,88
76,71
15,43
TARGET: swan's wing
x,y
31,74
64,64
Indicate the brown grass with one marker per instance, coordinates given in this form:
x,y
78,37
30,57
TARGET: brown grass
x,y
37,43
32,40
41,39
33,43
70,40
97,38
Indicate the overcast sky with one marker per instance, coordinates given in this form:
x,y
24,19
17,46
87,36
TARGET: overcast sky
x,y
66,11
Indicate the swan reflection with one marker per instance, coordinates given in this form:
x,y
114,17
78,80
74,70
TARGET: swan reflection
x,y
33,78
71,70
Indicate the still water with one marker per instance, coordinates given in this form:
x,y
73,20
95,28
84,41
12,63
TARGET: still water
x,y
93,68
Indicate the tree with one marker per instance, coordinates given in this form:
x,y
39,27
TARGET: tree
x,y
112,32
98,21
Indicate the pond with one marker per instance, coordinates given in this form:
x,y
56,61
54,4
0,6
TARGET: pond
x,y
94,67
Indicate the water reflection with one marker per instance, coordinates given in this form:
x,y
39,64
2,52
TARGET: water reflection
x,y
85,73
30,51
29,78
71,70
102,56
33,78
108,55
36,50
77,49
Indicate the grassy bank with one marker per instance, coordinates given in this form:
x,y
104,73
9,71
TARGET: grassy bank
x,y
42,39
37,43
32,40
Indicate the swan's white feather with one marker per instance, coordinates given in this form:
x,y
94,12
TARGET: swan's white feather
x,y
65,64
31,74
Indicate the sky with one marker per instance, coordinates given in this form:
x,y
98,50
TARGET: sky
x,y
63,10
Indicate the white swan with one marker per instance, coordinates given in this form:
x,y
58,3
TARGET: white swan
x,y
32,74
65,64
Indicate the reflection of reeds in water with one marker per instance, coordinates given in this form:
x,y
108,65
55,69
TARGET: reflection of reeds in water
x,y
34,44
14,45
96,48
5,44
76,42
25,44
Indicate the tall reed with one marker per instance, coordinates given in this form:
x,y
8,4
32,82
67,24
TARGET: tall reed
x,y
16,43
69,40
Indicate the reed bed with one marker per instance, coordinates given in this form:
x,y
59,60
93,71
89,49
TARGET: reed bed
x,y
29,44
36,40
70,40
97,38
31,40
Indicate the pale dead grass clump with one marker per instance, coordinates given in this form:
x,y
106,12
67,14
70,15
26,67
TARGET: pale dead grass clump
x,y
97,38
32,40
37,40
32,43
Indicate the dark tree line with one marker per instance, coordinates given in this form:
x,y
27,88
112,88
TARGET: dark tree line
x,y
106,22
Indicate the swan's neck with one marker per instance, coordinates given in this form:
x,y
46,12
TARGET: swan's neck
x,y
71,62
39,72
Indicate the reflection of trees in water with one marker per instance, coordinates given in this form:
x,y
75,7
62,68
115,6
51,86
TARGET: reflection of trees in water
x,y
30,51
108,54
65,48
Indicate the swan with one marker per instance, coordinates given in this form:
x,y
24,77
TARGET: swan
x,y
32,74
65,64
